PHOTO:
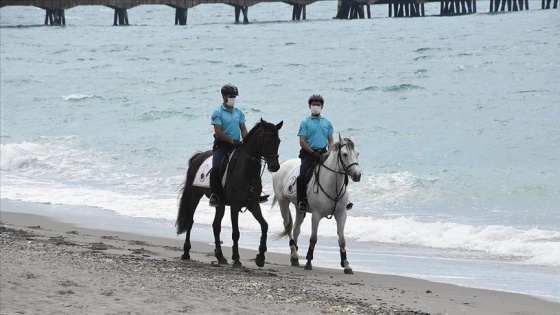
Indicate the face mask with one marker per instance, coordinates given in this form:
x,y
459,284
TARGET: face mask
x,y
316,110
230,101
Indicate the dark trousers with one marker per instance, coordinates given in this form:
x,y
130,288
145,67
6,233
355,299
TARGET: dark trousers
x,y
219,151
306,164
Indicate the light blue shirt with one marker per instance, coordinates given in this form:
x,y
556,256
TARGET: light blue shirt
x,y
229,121
316,131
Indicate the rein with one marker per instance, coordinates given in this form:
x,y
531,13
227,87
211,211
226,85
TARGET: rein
x,y
340,192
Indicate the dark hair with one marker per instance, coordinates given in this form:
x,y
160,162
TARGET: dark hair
x,y
315,97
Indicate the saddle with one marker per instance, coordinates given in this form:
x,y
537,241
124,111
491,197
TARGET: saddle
x,y
202,178
290,186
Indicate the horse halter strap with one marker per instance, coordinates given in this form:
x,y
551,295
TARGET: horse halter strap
x,y
264,155
344,166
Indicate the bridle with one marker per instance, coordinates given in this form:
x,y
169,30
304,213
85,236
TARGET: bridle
x,y
263,156
339,191
339,160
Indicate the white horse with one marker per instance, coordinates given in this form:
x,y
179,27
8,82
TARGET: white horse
x,y
326,196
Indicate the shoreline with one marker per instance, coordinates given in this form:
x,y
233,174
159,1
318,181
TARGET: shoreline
x,y
486,275
277,287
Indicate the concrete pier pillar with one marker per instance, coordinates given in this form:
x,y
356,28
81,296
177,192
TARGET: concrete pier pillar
x,y
238,10
121,17
181,16
55,17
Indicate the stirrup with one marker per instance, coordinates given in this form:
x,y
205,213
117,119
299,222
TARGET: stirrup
x,y
214,200
263,199
349,206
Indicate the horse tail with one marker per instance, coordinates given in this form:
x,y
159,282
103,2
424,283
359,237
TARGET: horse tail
x,y
274,200
181,223
186,210
281,235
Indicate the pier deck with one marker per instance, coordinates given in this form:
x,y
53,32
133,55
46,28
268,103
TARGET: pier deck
x,y
347,9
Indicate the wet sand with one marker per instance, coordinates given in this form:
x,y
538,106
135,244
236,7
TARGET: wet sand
x,y
51,267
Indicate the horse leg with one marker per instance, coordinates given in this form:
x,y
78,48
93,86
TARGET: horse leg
x,y
340,222
257,213
288,227
235,236
297,229
217,227
190,221
312,240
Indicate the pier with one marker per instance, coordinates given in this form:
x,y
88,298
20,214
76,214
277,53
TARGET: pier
x,y
347,9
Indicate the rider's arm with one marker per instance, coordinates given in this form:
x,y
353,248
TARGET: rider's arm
x,y
243,130
220,134
331,143
303,144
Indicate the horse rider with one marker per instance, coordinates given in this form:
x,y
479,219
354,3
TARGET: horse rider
x,y
229,130
315,137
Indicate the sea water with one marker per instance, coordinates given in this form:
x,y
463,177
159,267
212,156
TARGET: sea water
x,y
457,120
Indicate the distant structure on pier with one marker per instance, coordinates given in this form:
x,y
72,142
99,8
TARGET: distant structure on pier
x,y
347,9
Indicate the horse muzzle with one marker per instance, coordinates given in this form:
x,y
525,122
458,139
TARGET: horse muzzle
x,y
356,176
273,167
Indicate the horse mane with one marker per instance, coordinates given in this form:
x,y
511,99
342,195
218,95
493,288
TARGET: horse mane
x,y
262,123
337,146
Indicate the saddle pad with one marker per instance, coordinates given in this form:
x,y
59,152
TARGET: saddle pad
x,y
290,186
202,178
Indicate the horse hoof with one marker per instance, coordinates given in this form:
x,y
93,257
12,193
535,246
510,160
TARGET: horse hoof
x,y
185,257
222,261
308,267
259,260
237,264
295,262
348,271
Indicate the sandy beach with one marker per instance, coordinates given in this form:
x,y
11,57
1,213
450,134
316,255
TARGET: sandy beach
x,y
50,267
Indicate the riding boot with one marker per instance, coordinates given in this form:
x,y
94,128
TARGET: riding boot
x,y
263,198
301,194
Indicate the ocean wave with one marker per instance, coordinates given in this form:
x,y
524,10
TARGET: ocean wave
x,y
76,97
384,190
154,115
15,156
401,87
54,159
531,246
426,49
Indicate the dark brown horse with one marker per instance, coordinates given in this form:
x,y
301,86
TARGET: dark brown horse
x,y
242,189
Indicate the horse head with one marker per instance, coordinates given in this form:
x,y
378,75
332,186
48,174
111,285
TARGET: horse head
x,y
348,156
270,144
265,140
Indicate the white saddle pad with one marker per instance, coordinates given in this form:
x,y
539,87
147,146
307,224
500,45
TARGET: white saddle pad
x,y
290,186
202,178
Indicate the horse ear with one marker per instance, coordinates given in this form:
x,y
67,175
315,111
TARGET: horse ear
x,y
262,121
340,138
279,125
351,137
